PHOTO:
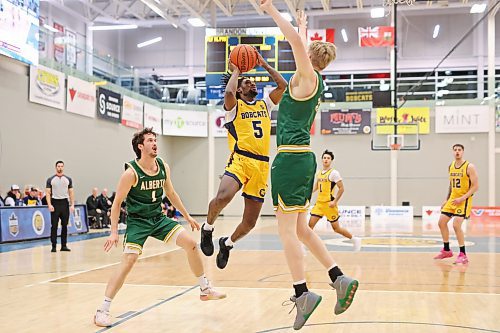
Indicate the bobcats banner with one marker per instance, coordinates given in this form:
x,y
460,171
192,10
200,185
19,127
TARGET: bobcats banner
x,y
354,121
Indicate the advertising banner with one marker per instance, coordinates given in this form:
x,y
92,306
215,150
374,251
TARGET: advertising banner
x,y
430,219
217,121
352,218
185,123
80,97
462,119
132,112
418,115
21,223
47,87
349,121
109,105
152,117
59,43
389,219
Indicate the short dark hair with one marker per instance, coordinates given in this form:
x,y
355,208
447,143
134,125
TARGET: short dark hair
x,y
327,152
59,162
458,145
138,139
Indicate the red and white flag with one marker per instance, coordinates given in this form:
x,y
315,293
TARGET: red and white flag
x,y
376,36
323,35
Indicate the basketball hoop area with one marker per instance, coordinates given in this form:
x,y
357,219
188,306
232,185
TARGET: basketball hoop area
x,y
395,136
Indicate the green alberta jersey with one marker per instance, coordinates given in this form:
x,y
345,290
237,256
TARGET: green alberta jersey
x,y
295,116
144,198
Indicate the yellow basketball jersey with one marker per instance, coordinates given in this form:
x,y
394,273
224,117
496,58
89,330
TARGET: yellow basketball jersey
x,y
459,180
249,127
325,186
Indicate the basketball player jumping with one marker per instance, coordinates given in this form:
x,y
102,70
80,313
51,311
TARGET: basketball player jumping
x,y
327,203
458,204
249,125
142,184
293,169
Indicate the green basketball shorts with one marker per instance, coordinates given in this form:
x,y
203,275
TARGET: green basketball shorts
x,y
139,229
292,180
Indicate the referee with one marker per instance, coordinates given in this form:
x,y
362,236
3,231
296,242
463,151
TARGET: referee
x,y
59,190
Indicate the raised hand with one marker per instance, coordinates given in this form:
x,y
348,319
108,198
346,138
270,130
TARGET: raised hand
x,y
266,4
301,19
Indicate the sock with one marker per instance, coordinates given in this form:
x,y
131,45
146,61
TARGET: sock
x,y
300,288
203,282
462,249
334,273
106,304
446,246
229,242
208,227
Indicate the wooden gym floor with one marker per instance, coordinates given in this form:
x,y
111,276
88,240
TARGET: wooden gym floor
x,y
402,289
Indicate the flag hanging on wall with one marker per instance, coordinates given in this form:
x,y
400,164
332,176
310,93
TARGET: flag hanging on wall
x,y
376,36
323,35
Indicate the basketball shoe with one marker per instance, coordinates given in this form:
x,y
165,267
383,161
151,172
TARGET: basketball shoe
x,y
346,289
443,254
102,318
210,294
305,304
462,259
206,244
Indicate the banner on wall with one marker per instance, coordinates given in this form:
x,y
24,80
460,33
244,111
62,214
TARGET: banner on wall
x,y
80,97
430,219
351,121
70,44
59,47
42,39
109,105
391,219
322,35
21,223
462,119
185,123
418,115
132,112
47,87
152,117
217,122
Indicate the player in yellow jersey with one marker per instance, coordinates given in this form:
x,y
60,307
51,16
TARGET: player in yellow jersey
x,y
248,121
463,184
327,203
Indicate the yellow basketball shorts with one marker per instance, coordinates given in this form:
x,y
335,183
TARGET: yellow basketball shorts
x,y
250,173
462,210
321,209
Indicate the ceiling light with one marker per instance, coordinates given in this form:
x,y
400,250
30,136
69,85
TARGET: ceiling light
x,y
478,8
196,22
48,27
377,12
436,31
149,42
113,27
344,35
287,16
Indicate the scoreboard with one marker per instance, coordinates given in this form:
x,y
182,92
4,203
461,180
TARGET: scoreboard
x,y
273,48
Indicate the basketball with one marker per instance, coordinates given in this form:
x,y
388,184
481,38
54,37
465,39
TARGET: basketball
x,y
244,57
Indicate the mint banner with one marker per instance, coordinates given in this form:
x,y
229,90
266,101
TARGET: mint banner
x,y
109,105
351,121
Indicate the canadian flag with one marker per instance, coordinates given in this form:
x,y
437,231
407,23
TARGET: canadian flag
x,y
323,35
376,36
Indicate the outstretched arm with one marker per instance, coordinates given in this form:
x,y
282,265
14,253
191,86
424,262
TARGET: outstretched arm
x,y
231,87
302,23
277,92
305,69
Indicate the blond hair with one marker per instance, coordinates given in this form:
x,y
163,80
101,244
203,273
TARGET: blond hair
x,y
321,54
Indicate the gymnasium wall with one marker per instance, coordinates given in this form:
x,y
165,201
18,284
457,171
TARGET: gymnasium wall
x,y
33,137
